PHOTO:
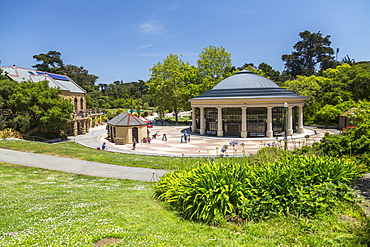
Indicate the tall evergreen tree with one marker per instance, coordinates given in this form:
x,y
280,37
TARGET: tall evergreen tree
x,y
311,54
50,62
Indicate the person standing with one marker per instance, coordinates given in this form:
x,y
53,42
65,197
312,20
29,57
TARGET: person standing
x,y
134,144
149,140
185,136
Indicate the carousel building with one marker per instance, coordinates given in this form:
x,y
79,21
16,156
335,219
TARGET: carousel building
x,y
247,105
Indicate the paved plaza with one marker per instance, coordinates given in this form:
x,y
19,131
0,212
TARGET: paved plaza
x,y
199,145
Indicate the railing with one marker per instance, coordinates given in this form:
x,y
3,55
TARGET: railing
x,y
40,139
86,113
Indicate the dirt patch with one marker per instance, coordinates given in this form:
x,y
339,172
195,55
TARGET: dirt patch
x,y
107,241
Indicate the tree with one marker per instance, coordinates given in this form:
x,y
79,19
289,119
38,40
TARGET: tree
x,y
348,60
117,90
214,64
81,76
96,99
168,84
269,71
355,79
329,114
305,86
32,105
51,62
312,51
311,87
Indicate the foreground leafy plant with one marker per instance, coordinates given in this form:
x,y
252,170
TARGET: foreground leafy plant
x,y
298,185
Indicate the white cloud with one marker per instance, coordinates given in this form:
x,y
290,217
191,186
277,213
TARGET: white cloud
x,y
152,27
145,46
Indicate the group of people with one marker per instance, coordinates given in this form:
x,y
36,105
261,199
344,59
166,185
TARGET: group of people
x,y
185,137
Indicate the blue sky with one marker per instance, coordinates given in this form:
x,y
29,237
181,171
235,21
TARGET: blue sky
x,y
123,39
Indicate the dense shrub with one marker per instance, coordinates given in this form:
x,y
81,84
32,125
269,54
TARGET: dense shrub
x,y
354,142
10,133
299,185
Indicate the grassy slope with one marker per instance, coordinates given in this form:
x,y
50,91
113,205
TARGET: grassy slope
x,y
51,208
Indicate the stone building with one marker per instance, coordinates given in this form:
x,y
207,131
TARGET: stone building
x,y
82,117
247,105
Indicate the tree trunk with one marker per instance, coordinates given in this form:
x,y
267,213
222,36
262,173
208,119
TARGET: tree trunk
x,y
176,116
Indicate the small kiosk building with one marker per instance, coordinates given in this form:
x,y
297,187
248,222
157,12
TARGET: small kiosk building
x,y
123,128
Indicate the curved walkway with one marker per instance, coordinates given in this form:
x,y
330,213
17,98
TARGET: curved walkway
x,y
79,166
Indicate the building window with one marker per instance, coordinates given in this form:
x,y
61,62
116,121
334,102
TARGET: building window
x,y
256,121
232,115
76,104
82,104
278,121
211,118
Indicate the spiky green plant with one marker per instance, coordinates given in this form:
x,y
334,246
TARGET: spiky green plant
x,y
298,185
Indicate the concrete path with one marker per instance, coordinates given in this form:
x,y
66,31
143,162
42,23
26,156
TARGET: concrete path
x,y
79,166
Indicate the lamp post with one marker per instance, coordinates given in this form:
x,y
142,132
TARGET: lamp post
x,y
286,126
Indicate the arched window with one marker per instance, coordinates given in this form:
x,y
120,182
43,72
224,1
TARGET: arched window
x,y
76,104
82,104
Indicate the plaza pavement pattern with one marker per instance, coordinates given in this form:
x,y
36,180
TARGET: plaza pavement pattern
x,y
203,146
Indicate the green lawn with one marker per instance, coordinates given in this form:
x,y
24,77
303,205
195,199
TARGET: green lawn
x,y
48,208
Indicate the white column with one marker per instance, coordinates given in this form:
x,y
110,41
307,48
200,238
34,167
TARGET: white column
x,y
300,120
244,133
269,132
193,119
290,121
202,130
220,131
